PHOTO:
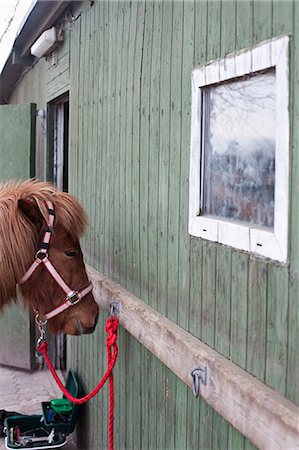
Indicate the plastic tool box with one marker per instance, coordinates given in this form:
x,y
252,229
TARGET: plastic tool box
x,y
48,430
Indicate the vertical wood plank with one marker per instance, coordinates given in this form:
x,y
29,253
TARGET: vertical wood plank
x,y
126,257
189,252
277,328
118,166
222,329
103,139
184,238
228,27
153,183
154,150
110,187
135,206
172,226
262,20
257,311
214,29
257,329
183,65
163,193
283,17
94,137
124,150
293,338
144,181
207,333
174,127
244,24
201,20
187,61
133,354
239,307
194,422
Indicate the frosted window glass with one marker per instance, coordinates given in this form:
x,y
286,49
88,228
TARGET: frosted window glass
x,y
239,150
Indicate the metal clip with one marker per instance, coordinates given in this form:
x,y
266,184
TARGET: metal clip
x,y
114,309
41,328
199,375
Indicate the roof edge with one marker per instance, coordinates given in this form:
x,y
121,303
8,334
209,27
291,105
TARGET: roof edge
x,y
42,16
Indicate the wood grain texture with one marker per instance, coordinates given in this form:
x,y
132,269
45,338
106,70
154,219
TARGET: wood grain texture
x,y
129,157
239,397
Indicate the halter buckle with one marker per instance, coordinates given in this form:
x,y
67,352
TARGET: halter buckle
x,y
73,297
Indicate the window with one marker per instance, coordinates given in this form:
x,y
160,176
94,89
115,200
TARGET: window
x,y
239,165
239,154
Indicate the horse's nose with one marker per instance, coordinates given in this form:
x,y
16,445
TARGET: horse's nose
x,y
89,330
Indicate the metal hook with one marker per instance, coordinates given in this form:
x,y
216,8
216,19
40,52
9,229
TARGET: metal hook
x,y
114,309
199,375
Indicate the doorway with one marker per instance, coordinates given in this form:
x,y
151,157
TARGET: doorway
x,y
57,173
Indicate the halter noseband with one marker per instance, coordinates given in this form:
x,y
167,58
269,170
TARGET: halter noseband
x,y
41,257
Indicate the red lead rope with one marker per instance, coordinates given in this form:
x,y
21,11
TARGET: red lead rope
x,y
111,329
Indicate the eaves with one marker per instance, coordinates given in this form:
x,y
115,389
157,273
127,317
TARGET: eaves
x,y
43,15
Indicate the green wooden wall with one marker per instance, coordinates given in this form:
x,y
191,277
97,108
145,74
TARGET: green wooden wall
x,y
130,131
130,68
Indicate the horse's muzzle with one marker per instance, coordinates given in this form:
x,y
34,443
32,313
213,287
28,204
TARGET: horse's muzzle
x,y
89,330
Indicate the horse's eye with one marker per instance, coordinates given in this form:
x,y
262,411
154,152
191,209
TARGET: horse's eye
x,y
71,253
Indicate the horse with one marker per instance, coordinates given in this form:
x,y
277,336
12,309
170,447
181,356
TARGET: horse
x,y
40,256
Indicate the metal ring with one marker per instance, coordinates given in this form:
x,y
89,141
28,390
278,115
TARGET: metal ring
x,y
41,255
39,322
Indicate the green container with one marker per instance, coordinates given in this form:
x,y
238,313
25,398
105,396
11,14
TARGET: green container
x,y
40,425
67,422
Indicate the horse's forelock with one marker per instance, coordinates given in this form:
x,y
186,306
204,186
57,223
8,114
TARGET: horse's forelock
x,y
18,236
69,214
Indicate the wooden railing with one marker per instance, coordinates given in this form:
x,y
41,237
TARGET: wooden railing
x,y
264,416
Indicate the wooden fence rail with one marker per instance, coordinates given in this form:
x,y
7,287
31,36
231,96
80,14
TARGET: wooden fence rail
x,y
264,416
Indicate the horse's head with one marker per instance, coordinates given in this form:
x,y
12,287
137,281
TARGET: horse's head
x,y
40,288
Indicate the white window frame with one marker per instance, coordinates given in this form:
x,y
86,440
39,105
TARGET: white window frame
x,y
271,244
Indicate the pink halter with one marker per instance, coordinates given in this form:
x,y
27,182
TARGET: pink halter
x,y
41,257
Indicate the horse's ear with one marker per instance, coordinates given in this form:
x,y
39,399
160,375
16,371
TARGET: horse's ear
x,y
31,210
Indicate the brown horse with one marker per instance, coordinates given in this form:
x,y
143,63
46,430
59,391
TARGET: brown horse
x,y
24,218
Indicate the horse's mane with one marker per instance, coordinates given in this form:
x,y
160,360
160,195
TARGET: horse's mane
x,y
18,237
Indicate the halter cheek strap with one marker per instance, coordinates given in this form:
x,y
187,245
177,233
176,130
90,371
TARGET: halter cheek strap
x,y
41,257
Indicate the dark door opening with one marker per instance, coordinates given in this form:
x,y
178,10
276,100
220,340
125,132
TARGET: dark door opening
x,y
57,173
58,117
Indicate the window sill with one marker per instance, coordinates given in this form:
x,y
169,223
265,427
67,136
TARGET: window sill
x,y
258,241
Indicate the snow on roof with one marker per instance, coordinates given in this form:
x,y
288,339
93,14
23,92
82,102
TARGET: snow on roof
x,y
13,15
